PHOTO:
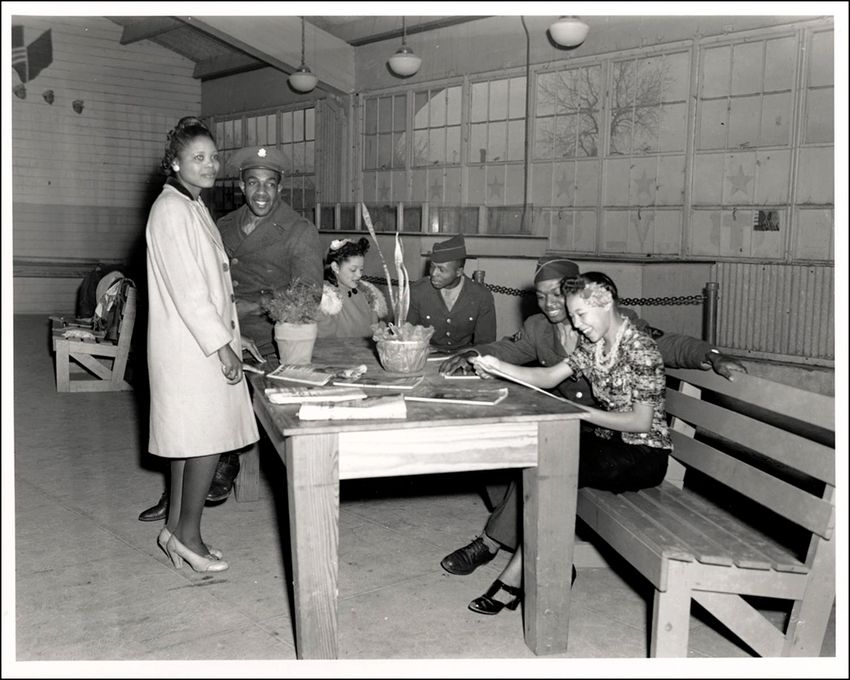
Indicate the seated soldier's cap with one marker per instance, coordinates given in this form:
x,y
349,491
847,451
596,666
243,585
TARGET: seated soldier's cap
x,y
266,157
453,249
554,267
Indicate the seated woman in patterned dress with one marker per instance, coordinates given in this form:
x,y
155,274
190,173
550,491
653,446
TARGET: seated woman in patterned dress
x,y
349,304
624,444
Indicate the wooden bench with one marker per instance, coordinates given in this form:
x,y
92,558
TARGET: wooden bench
x,y
105,361
754,517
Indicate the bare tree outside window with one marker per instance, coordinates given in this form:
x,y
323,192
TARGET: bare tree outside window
x,y
568,111
569,106
637,89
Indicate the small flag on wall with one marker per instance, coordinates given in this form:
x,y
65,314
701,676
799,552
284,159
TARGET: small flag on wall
x,y
30,60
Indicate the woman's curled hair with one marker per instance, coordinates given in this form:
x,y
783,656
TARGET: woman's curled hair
x,y
182,134
342,250
595,287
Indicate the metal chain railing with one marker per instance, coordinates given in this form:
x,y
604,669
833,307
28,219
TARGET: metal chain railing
x,y
633,302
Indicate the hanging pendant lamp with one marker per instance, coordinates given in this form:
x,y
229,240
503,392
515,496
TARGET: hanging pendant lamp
x,y
569,31
404,63
302,79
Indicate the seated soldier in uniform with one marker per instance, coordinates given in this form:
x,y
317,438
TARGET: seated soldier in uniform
x,y
547,339
461,310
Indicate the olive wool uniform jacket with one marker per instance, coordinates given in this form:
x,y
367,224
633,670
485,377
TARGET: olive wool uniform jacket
x,y
472,320
283,246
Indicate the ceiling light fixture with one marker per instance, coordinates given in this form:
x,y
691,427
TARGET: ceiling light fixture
x,y
569,31
404,63
302,79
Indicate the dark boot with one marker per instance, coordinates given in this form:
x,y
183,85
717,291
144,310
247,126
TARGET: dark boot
x,y
225,473
156,512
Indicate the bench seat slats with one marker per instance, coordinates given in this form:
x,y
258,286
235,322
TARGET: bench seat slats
x,y
661,541
706,544
745,546
819,409
802,508
789,449
693,529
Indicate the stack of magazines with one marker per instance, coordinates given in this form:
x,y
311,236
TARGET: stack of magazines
x,y
309,393
390,406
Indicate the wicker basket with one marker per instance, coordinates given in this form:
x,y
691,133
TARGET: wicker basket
x,y
403,356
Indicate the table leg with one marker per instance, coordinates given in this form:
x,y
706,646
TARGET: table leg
x,y
550,492
247,482
312,480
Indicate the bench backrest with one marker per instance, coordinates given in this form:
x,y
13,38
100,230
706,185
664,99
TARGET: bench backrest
x,y
773,443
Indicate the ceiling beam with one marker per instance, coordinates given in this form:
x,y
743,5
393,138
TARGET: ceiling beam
x,y
218,67
277,42
146,28
419,28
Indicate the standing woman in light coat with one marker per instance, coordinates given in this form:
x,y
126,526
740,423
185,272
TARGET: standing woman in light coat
x,y
199,401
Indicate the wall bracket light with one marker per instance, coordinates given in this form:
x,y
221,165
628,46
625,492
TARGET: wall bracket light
x,y
404,62
302,79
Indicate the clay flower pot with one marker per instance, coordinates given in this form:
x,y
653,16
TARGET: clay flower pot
x,y
295,341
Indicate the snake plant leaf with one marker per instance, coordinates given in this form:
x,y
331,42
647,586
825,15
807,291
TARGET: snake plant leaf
x,y
368,220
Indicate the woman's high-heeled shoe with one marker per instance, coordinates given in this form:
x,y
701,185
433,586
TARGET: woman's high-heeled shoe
x,y
487,605
179,552
165,534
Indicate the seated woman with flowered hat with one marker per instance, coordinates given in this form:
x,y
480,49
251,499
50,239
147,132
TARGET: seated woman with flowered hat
x,y
349,304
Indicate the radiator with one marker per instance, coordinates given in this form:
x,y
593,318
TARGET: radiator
x,y
777,311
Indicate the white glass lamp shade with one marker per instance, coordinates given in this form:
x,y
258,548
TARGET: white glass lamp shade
x,y
303,79
404,63
569,31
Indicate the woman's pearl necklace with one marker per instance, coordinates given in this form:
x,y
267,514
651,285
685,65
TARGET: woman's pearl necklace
x,y
606,361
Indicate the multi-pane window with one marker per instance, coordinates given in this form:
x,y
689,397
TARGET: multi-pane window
x,y
568,110
820,94
746,95
298,144
293,132
497,121
814,195
715,147
742,165
436,127
649,104
384,137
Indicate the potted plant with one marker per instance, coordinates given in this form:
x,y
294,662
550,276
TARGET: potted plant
x,y
402,347
295,310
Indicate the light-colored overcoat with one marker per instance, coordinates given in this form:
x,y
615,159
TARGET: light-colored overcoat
x,y
191,314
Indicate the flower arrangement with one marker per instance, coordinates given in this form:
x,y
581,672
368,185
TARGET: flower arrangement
x,y
399,329
298,303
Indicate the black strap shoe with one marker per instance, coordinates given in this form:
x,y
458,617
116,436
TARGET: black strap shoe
x,y
487,605
225,473
156,512
467,559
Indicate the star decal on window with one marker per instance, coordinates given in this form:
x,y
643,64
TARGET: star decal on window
x,y
740,181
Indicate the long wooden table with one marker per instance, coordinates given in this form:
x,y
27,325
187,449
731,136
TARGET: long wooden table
x,y
527,430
